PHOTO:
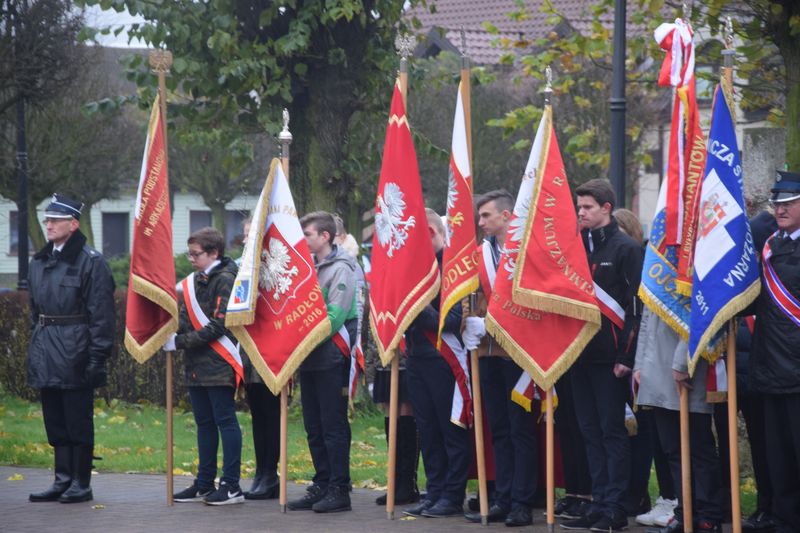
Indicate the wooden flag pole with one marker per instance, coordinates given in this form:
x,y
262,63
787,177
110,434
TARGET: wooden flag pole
x,y
404,44
550,466
392,463
475,371
733,427
160,62
686,462
550,450
285,138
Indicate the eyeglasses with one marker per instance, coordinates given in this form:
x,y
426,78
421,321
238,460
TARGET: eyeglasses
x,y
195,255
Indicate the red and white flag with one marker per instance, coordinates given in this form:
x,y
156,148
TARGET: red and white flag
x,y
543,284
687,147
459,258
405,274
152,306
276,308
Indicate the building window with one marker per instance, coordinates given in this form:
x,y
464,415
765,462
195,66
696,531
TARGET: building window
x,y
13,236
233,224
116,230
199,220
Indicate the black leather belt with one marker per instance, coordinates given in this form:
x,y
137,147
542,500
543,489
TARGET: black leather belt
x,y
61,320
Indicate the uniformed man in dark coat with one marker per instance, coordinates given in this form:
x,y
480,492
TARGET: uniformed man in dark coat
x,y
72,323
774,356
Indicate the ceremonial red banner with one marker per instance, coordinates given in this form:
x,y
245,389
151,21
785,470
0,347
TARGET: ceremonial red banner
x,y
459,259
276,309
152,307
542,310
405,274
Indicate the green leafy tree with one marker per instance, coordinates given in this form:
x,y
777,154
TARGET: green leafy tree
x,y
768,59
238,63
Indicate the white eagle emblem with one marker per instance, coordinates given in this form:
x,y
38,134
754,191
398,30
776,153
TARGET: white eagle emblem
x,y
452,197
390,227
515,231
274,273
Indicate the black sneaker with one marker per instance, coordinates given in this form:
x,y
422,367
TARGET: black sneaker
x,y
579,508
192,494
336,499
617,522
584,522
419,508
226,494
561,506
313,494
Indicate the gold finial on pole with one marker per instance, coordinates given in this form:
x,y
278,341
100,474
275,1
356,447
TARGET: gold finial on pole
x,y
160,61
728,52
404,43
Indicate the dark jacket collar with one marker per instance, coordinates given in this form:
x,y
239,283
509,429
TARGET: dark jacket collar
x,y
71,249
601,235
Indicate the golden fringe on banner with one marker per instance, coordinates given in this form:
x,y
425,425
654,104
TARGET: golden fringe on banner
x,y
424,299
545,379
276,382
245,318
536,299
157,295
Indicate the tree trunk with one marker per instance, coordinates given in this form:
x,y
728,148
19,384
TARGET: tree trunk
x,y
86,225
793,110
320,134
37,236
218,216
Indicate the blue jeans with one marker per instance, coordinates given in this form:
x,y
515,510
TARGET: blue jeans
x,y
215,415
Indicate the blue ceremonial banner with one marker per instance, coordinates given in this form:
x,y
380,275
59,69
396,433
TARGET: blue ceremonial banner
x,y
726,277
659,290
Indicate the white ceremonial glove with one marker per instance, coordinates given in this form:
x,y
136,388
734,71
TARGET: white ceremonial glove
x,y
169,346
474,331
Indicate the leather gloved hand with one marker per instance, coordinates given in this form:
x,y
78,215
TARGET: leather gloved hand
x,y
96,375
474,331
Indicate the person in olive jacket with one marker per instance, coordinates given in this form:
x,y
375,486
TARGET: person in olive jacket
x,y
72,322
210,376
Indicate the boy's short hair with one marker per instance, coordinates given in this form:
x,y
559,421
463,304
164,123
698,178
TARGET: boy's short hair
x,y
209,239
435,220
600,190
502,199
322,221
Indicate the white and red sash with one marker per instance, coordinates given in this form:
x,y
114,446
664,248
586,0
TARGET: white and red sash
x,y
223,345
717,381
487,270
525,391
609,306
787,303
456,356
356,355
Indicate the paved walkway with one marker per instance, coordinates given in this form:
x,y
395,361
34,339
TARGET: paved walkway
x,y
137,503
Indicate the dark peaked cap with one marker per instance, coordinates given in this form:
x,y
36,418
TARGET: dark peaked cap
x,y
62,207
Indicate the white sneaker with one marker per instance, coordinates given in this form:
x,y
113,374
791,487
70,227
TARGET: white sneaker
x,y
660,514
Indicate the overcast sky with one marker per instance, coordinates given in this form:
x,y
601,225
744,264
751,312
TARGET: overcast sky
x,y
98,18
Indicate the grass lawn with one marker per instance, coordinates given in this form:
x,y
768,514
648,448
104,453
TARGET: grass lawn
x,y
132,438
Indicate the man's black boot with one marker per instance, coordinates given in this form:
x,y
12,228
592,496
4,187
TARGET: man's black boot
x,y
265,487
63,469
80,489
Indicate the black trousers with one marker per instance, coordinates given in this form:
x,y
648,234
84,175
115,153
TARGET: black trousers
x,y
513,434
782,425
573,450
600,405
445,446
324,397
751,404
706,477
68,416
265,410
